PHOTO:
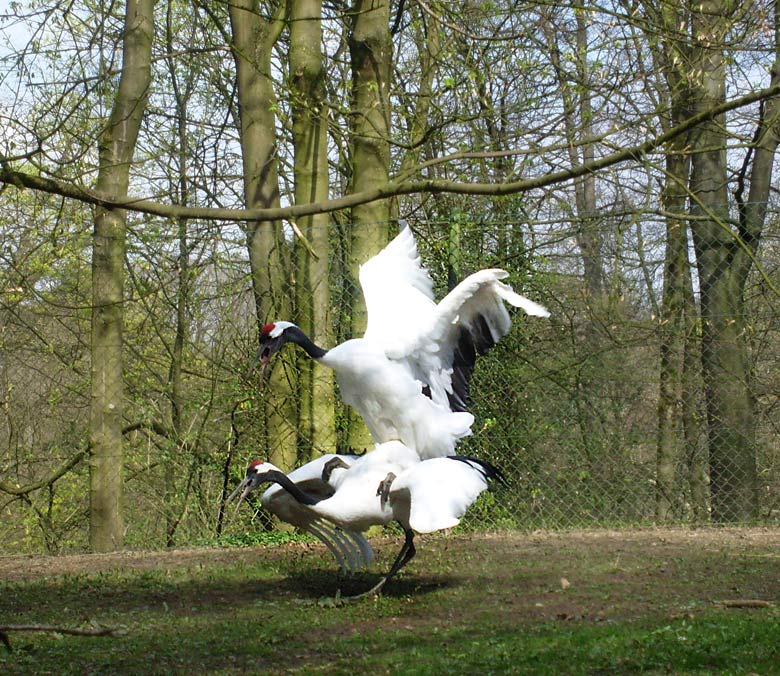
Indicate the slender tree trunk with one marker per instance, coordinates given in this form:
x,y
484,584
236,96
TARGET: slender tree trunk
x,y
757,169
370,51
117,146
679,427
578,124
672,330
696,452
253,40
588,235
181,93
310,141
722,270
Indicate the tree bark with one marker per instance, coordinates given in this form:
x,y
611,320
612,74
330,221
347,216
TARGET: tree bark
x,y
673,337
253,39
116,148
370,51
723,268
575,95
175,391
310,141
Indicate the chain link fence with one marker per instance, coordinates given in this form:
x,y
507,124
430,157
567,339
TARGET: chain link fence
x,y
601,415
570,407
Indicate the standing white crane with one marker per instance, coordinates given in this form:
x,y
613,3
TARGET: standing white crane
x,y
388,484
350,548
408,376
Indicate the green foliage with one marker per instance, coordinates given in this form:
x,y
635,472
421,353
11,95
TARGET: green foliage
x,y
255,538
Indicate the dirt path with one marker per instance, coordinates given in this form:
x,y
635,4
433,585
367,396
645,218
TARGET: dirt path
x,y
625,544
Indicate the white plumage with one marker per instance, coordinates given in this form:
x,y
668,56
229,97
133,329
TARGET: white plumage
x,y
350,548
435,494
390,483
408,376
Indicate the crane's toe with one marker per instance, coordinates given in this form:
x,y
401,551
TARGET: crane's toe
x,y
330,466
383,490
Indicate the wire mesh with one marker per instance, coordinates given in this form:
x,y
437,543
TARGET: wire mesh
x,y
612,412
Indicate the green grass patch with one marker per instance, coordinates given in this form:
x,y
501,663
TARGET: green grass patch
x,y
513,604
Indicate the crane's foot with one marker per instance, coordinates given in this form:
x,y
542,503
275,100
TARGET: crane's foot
x,y
330,466
383,490
376,590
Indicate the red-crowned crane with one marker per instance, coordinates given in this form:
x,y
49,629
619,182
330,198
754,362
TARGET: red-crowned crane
x,y
387,484
349,547
408,376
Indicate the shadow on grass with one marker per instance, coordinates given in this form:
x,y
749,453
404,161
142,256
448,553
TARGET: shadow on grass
x,y
71,599
318,583
197,623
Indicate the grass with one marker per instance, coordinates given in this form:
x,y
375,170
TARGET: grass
x,y
574,603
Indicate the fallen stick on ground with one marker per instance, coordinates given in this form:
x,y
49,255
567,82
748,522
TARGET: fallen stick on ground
x,y
90,631
746,603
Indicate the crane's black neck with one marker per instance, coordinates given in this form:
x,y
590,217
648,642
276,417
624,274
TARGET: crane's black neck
x,y
295,334
285,482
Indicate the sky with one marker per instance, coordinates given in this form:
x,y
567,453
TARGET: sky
x,y
9,29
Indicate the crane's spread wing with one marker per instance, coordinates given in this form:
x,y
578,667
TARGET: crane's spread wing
x,y
397,289
464,325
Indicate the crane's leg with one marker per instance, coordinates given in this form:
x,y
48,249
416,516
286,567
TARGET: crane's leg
x,y
366,553
326,536
404,556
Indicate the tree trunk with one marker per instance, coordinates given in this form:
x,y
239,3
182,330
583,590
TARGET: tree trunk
x,y
679,427
370,54
723,271
181,191
370,51
310,141
672,335
588,236
696,451
116,148
253,40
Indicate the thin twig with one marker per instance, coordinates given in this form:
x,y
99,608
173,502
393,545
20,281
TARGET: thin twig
x,y
746,603
302,238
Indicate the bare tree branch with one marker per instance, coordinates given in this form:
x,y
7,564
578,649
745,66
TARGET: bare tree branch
x,y
69,464
391,189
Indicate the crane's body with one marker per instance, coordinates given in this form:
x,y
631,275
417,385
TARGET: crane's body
x,y
349,547
390,483
409,375
392,402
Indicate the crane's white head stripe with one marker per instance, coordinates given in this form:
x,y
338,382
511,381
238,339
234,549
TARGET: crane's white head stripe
x,y
276,329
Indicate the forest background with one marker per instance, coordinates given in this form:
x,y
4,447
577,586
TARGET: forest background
x,y
176,174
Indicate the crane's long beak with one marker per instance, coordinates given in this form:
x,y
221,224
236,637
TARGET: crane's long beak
x,y
263,359
245,488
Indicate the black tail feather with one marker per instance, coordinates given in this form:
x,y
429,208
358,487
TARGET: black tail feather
x,y
490,472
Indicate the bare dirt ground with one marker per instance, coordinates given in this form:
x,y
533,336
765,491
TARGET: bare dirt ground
x,y
648,542
587,575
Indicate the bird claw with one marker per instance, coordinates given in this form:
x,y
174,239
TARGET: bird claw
x,y
332,464
383,490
